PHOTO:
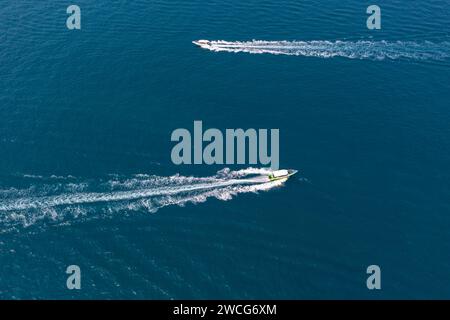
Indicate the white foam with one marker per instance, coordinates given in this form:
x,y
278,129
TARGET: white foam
x,y
362,49
140,192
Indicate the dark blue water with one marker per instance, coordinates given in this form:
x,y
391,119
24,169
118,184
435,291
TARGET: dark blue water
x,y
89,113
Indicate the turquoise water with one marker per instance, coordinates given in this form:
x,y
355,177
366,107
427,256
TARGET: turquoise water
x,y
86,176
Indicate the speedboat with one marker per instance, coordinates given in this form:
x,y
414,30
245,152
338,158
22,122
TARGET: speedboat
x,y
202,43
281,174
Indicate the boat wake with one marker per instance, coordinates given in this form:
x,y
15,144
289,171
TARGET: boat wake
x,y
362,49
58,199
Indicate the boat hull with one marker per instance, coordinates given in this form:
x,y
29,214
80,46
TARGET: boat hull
x,y
285,177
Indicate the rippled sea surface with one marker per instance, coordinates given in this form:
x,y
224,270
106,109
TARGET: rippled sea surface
x,y
86,176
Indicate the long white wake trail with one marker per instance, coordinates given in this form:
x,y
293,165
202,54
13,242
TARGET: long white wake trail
x,y
60,201
362,49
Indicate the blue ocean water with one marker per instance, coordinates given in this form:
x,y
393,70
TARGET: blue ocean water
x,y
86,176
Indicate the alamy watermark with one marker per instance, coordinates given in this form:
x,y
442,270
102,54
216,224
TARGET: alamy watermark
x,y
374,20
74,280
374,280
229,150
74,20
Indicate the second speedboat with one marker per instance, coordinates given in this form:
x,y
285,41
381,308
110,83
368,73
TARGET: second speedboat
x,y
202,43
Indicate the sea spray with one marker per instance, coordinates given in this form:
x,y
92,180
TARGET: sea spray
x,y
362,49
60,203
